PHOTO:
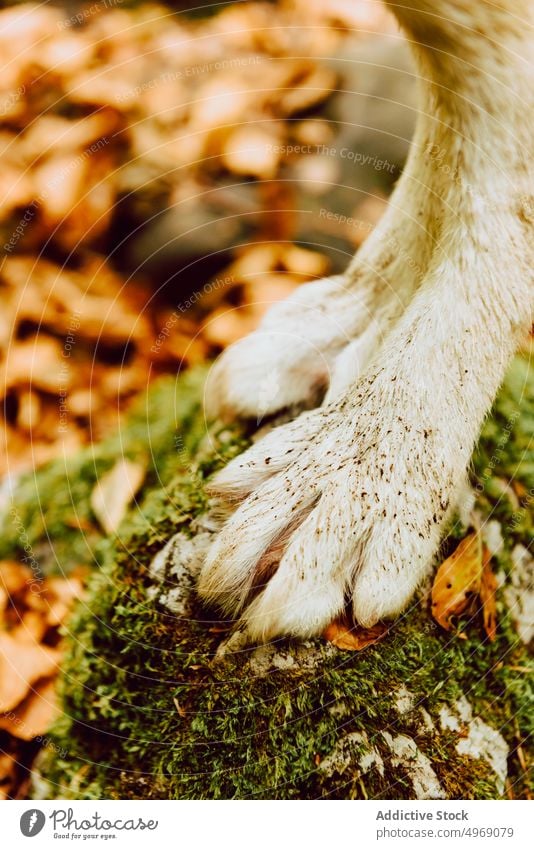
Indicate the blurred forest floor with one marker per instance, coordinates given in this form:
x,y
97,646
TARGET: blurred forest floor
x,y
163,179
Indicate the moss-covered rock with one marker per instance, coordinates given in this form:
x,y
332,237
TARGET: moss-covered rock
x,y
162,701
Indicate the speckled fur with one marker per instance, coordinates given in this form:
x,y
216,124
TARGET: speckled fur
x,y
348,502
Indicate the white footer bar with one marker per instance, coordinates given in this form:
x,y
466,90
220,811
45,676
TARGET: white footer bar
x,y
269,824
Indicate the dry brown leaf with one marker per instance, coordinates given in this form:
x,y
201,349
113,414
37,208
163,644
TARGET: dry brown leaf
x,y
8,768
34,716
14,445
519,488
167,101
457,581
91,215
31,628
16,189
314,131
269,288
121,380
46,426
51,133
59,185
61,593
114,492
107,88
304,262
29,407
349,637
66,56
14,577
316,85
226,326
21,664
53,295
256,259
488,588
82,402
221,100
185,347
317,174
253,151
35,362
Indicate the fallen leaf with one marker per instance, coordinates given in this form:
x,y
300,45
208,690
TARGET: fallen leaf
x,y
185,348
252,151
315,85
16,189
256,259
349,637
31,628
34,716
519,488
14,577
315,131
61,593
29,407
35,363
457,581
52,134
488,588
221,100
266,289
304,262
227,326
114,492
22,663
8,767
179,708
66,174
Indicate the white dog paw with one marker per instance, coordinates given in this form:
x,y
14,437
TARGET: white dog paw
x,y
291,358
344,505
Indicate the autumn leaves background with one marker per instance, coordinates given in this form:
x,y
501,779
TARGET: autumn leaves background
x,y
141,153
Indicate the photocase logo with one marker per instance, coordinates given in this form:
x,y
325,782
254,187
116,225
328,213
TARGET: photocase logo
x,y
32,822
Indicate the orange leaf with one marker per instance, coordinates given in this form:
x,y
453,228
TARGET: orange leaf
x,y
114,492
34,715
252,151
8,769
457,580
488,588
21,664
351,638
14,577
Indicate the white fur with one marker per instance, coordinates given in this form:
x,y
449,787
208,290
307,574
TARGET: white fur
x,y
349,501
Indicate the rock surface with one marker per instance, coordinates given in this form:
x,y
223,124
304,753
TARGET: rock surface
x,y
162,699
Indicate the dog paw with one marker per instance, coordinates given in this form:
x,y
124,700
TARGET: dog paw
x,y
296,353
344,505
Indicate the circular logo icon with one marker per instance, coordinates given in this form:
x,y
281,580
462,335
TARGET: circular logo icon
x,y
32,822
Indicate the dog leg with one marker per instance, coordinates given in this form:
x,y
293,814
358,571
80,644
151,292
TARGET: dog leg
x,y
353,497
299,349
349,501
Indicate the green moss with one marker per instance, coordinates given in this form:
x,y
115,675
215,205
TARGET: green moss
x,y
504,461
147,713
50,513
